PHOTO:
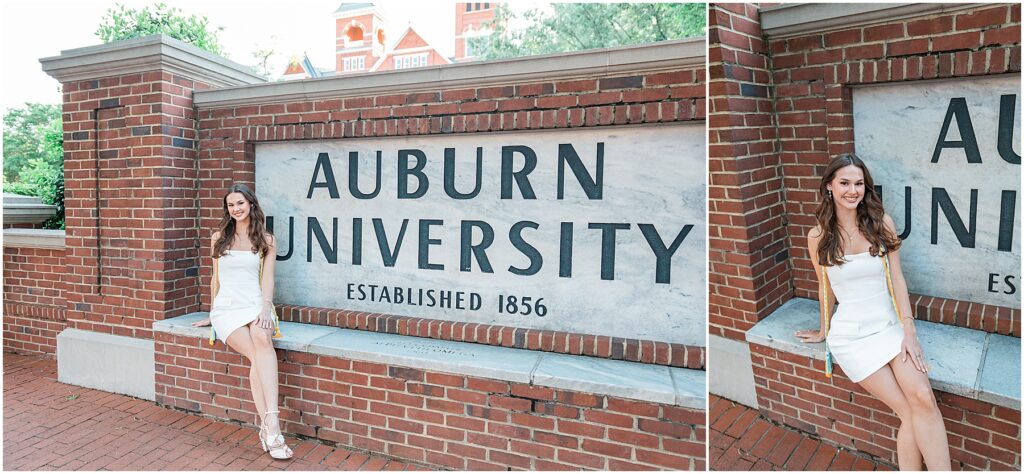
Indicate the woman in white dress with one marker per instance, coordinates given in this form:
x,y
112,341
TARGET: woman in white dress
x,y
875,346
241,313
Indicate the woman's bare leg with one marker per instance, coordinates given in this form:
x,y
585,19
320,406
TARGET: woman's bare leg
x,y
241,341
265,363
929,429
883,385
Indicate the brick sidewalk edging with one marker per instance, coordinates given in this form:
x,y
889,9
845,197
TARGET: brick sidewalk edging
x,y
744,440
49,425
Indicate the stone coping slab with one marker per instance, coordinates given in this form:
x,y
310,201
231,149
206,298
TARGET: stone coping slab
x,y
1000,375
35,238
624,60
632,380
19,209
148,53
791,19
966,362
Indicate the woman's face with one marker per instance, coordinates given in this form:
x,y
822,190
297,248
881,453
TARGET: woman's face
x,y
238,206
847,187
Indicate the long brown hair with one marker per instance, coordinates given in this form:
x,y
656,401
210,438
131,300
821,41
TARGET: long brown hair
x,y
257,224
870,215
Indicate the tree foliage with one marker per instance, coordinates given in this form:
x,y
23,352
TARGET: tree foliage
x,y
34,156
579,26
265,56
32,132
121,23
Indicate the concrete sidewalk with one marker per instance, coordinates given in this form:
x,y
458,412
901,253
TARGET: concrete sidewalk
x,y
52,426
743,440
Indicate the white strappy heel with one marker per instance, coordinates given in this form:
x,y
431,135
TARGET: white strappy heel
x,y
274,445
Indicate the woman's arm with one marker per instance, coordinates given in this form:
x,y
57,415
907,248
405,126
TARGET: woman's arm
x,y
266,319
899,285
911,347
214,283
267,282
811,335
215,279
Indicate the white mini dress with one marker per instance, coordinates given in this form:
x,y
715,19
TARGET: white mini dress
x,y
864,333
239,296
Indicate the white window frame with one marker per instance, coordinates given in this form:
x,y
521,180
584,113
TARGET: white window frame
x,y
410,61
354,63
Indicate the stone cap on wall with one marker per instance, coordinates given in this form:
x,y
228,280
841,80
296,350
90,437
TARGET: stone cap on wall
x,y
19,209
633,380
801,18
149,53
965,362
35,238
631,60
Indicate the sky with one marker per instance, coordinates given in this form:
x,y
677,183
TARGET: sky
x,y
42,28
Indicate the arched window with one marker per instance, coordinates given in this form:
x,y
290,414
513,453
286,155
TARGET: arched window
x,y
355,33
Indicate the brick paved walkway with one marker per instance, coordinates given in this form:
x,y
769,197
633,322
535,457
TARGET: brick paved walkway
x,y
49,426
743,440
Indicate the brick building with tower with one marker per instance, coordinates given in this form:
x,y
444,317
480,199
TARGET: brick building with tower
x,y
362,34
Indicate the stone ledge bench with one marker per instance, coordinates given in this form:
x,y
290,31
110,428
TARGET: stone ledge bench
x,y
977,375
449,404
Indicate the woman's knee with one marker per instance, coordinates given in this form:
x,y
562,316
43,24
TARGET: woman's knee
x,y
921,398
261,338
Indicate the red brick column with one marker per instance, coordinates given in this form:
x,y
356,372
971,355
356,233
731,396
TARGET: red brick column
x,y
812,75
130,150
748,260
130,181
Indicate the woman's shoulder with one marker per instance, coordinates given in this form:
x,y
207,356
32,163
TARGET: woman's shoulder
x,y
888,222
270,238
215,236
814,233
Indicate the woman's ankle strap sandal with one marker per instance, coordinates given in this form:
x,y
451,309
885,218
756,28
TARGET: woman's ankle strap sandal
x,y
273,444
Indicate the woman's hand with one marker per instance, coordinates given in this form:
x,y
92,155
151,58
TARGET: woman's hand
x,y
201,322
913,350
265,320
810,336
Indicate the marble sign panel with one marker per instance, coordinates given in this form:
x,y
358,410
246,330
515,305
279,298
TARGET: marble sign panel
x,y
596,230
946,155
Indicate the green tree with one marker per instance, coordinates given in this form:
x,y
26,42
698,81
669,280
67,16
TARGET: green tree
x,y
579,26
121,23
32,132
34,156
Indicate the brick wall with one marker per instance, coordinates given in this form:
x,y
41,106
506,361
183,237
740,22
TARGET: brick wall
x,y
767,151
228,136
130,170
811,78
748,262
792,389
433,418
780,108
34,304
